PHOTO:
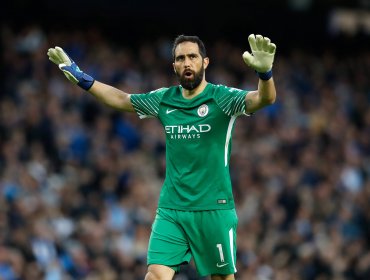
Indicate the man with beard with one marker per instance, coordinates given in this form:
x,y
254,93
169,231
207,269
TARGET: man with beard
x,y
196,215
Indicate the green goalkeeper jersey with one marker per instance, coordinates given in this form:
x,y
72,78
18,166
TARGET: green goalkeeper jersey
x,y
198,143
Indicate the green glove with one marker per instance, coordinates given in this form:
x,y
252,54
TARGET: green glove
x,y
263,52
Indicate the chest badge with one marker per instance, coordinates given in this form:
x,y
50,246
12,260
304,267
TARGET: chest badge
x,y
203,110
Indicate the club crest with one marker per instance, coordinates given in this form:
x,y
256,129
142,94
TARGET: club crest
x,y
203,110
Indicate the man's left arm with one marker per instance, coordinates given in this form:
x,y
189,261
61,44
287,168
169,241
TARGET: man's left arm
x,y
261,60
265,95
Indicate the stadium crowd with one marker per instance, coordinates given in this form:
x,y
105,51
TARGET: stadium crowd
x,y
79,182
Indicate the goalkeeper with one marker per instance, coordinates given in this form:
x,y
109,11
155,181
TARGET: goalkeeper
x,y
196,215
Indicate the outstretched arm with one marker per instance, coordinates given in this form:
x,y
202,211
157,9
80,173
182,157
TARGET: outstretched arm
x,y
112,96
261,60
106,94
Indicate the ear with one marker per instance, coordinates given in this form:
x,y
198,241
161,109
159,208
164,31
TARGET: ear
x,y
205,62
174,69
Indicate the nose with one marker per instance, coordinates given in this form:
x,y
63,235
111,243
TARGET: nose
x,y
187,62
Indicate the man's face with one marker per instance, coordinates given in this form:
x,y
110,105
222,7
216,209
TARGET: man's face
x,y
189,65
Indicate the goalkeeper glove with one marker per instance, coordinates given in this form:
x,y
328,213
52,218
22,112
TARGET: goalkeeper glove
x,y
262,57
70,68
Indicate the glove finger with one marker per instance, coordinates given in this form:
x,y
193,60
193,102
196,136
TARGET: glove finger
x,y
248,58
252,42
53,56
63,56
53,60
259,42
266,41
271,48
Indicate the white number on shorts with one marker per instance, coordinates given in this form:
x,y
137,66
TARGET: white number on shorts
x,y
219,247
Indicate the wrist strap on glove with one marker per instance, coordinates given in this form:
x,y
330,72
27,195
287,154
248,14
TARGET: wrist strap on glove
x,y
75,75
265,76
86,81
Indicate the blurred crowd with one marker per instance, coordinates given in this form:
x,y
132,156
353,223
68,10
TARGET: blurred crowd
x,y
79,181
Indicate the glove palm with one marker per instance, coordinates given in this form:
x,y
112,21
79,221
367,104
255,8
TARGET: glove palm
x,y
263,52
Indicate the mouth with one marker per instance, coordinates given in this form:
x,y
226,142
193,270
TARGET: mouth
x,y
188,74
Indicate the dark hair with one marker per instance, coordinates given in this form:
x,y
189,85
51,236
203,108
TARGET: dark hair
x,y
194,39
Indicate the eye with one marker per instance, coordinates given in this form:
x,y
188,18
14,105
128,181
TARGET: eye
x,y
180,58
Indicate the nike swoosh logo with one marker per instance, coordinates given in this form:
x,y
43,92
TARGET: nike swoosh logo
x,y
170,111
222,265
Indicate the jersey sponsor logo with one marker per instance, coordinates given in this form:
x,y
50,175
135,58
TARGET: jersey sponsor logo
x,y
187,131
221,264
203,110
168,111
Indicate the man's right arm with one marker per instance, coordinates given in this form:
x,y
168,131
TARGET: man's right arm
x,y
111,96
106,94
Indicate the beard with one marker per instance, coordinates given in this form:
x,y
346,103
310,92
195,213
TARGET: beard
x,y
191,84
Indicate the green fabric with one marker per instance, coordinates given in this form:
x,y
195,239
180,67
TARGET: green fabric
x,y
198,143
177,236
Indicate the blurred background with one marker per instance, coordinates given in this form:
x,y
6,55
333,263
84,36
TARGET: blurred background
x,y
79,182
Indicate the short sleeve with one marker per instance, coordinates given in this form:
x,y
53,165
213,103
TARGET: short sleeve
x,y
231,100
146,105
